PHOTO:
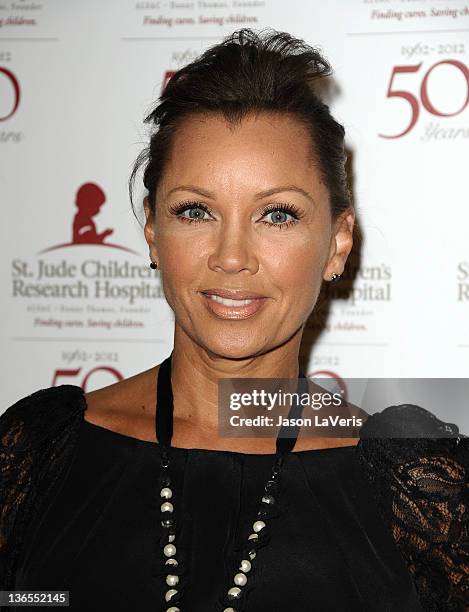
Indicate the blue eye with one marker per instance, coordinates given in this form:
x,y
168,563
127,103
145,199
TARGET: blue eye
x,y
196,211
282,215
279,215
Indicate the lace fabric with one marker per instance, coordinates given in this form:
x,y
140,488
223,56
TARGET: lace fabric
x,y
422,490
420,485
36,443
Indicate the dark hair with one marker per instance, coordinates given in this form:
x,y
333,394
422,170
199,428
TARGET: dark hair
x,y
250,72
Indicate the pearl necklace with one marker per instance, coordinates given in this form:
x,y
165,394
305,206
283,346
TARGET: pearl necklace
x,y
232,600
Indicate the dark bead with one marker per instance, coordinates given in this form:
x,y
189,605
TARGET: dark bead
x,y
164,459
165,480
271,486
167,523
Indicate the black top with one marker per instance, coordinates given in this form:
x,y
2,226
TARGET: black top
x,y
382,527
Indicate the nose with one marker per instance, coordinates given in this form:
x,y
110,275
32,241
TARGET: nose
x,y
233,250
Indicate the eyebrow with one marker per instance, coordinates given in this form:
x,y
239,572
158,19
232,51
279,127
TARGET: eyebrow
x,y
262,194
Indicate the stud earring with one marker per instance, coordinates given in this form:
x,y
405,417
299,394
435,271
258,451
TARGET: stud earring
x,y
335,276
154,265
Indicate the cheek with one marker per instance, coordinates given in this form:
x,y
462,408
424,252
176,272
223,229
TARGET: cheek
x,y
297,264
178,250
183,261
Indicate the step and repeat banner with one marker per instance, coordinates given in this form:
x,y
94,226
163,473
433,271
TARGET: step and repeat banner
x,y
80,304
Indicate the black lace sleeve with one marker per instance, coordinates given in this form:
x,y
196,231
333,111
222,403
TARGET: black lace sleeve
x,y
422,490
36,440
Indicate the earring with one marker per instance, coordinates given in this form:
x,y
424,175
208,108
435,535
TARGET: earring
x,y
335,276
154,265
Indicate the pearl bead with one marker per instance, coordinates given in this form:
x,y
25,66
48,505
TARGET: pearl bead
x,y
172,580
167,507
173,609
170,594
240,579
258,525
253,536
229,610
166,493
169,550
245,565
234,593
172,562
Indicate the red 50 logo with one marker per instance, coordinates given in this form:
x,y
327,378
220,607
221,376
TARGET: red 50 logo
x,y
12,82
425,101
73,373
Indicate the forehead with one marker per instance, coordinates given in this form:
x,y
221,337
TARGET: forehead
x,y
258,153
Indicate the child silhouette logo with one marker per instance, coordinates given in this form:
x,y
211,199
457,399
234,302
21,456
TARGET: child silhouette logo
x,y
89,200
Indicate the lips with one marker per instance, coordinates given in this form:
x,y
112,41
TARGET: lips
x,y
233,294
232,304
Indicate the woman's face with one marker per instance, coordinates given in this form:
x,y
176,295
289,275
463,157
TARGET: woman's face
x,y
243,209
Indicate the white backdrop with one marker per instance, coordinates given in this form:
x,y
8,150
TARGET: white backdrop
x,y
76,79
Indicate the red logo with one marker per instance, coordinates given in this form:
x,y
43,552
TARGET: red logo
x,y
16,92
424,97
59,373
89,200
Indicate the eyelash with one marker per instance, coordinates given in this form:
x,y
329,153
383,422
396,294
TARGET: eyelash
x,y
284,207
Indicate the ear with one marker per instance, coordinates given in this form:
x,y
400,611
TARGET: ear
x,y
341,243
149,229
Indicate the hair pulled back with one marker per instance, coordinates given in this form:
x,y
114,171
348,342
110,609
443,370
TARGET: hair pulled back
x,y
249,72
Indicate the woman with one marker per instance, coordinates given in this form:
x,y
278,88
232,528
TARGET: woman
x,y
128,505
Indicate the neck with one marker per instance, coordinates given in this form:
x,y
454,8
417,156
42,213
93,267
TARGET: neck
x,y
195,373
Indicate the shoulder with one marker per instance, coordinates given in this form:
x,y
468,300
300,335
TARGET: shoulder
x,y
407,433
418,468
408,447
407,421
44,410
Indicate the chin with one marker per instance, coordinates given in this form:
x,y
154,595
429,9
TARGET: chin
x,y
239,348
